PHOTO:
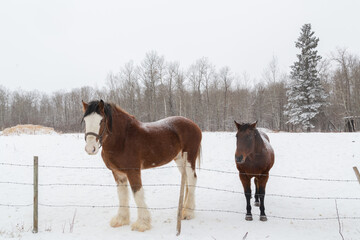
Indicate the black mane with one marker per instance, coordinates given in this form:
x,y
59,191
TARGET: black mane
x,y
244,126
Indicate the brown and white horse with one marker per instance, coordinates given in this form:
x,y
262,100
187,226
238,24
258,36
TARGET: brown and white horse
x,y
254,157
128,146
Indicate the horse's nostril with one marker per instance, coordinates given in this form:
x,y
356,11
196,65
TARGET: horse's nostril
x,y
94,149
239,159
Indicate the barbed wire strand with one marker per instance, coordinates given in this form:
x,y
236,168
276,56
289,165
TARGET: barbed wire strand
x,y
15,205
202,169
173,208
178,185
105,206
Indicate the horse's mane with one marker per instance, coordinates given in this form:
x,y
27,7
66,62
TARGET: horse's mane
x,y
110,110
244,126
119,109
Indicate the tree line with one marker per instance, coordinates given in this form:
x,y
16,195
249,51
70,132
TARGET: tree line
x,y
210,96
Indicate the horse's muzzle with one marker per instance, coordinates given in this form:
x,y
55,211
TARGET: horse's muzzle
x,y
92,148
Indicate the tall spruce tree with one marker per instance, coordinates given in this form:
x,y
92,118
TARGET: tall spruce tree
x,y
306,96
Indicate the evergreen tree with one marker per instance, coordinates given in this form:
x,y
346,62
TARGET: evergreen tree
x,y
306,96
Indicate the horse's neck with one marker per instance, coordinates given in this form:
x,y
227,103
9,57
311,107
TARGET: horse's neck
x,y
120,123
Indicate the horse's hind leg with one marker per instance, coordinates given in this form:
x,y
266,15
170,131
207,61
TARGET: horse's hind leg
x,y
245,180
143,221
123,215
262,184
191,179
256,181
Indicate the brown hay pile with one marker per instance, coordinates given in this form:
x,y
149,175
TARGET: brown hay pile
x,y
27,129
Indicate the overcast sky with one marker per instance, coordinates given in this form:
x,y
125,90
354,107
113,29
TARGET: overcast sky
x,y
52,45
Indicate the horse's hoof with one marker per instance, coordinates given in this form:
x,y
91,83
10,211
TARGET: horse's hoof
x,y
248,217
263,218
140,226
257,204
187,215
118,221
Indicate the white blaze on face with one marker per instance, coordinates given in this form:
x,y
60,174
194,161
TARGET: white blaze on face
x,y
92,124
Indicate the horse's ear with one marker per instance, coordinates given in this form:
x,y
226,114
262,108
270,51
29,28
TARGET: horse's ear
x,y
237,125
253,125
85,105
101,106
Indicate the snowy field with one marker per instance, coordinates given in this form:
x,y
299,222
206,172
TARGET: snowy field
x,y
313,155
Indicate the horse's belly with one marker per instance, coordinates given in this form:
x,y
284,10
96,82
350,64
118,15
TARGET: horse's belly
x,y
160,153
157,161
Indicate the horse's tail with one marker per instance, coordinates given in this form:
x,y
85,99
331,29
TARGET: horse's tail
x,y
198,157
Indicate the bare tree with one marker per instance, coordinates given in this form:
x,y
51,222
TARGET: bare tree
x,y
195,77
114,87
343,77
180,93
345,86
4,107
276,95
173,71
129,76
200,76
226,78
151,73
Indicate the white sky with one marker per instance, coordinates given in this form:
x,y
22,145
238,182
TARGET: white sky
x,y
52,45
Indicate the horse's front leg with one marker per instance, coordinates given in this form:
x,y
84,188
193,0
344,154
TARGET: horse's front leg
x,y
143,221
123,216
245,180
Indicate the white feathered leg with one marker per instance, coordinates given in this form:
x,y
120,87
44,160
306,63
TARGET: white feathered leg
x,y
123,215
143,222
189,201
189,206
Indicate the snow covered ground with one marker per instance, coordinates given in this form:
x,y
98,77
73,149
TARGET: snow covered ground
x,y
308,155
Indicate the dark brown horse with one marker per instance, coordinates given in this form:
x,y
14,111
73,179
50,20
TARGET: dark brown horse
x,y
254,157
128,146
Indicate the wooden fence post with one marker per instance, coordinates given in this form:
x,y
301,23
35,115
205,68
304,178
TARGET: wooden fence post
x,y
36,182
181,198
357,173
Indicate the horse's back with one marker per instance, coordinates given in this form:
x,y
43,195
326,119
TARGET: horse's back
x,y
187,131
264,135
177,124
188,134
184,126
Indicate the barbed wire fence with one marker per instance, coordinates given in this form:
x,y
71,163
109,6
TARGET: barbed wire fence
x,y
57,184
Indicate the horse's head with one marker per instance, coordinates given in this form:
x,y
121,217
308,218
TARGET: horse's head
x,y
98,120
245,140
